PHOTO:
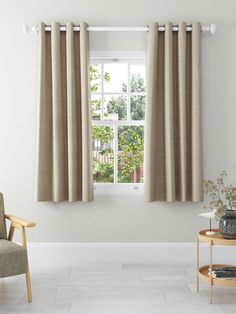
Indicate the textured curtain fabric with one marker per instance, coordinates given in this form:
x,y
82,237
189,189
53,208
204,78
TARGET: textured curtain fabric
x,y
64,165
173,148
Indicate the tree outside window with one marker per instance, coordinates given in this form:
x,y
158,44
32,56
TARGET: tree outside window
x,y
118,147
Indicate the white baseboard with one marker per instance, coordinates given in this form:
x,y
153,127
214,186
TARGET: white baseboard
x,y
161,253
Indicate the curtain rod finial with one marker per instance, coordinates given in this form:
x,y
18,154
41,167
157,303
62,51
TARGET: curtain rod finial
x,y
212,28
25,28
35,29
209,28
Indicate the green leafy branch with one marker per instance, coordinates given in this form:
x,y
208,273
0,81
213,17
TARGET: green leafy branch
x,y
222,197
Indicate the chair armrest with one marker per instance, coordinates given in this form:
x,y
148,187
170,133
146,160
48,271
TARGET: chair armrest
x,y
22,222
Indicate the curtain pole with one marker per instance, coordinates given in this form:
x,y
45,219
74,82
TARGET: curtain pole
x,y
205,29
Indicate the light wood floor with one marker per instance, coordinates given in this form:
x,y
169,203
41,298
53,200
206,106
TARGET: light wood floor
x,y
113,289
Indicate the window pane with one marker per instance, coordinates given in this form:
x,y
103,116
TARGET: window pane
x,y
115,77
137,106
95,78
103,154
130,154
137,78
96,106
115,107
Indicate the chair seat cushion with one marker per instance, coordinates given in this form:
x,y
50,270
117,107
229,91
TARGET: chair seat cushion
x,y
13,259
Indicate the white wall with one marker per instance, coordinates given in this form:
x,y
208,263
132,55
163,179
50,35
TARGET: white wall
x,y
123,218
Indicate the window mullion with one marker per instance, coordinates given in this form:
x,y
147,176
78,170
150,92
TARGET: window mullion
x,y
118,122
128,94
102,92
115,128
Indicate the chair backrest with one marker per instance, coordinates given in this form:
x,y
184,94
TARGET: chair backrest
x,y
3,230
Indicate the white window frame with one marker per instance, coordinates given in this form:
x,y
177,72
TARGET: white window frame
x,y
124,57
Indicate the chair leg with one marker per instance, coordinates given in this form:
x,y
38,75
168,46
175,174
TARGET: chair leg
x,y
28,284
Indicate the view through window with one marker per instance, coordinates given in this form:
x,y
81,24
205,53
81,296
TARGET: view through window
x,y
118,108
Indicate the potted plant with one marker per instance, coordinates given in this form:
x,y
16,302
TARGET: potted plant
x,y
222,199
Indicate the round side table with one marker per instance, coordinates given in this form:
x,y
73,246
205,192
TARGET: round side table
x,y
203,271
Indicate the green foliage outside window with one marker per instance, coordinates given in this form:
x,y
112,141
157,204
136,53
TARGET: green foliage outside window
x,y
103,171
130,155
130,138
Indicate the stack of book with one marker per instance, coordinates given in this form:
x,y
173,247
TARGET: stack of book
x,y
226,272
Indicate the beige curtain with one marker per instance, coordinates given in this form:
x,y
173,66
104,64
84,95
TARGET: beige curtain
x,y
173,147
64,165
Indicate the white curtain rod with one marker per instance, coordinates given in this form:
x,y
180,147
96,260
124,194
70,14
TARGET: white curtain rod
x,y
205,29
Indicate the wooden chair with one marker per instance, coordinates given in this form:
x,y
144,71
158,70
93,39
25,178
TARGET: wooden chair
x,y
14,257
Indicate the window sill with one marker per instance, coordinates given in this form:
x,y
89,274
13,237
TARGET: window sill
x,y
118,188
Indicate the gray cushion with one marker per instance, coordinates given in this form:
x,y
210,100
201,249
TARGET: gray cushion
x,y
13,259
3,231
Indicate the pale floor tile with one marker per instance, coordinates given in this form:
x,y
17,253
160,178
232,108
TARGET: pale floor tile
x,y
221,295
53,276
175,279
229,308
105,279
186,297
11,298
97,267
149,267
191,272
48,268
113,289
149,308
104,275
20,286
165,287
118,311
193,287
48,307
120,306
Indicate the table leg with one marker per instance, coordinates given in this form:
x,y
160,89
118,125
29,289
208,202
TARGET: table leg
x,y
197,264
211,280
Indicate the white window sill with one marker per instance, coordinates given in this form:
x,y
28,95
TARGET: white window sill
x,y
118,188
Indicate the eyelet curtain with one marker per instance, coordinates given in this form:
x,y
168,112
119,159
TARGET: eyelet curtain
x,y
173,135
64,164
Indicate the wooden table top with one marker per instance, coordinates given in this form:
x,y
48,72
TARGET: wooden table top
x,y
216,239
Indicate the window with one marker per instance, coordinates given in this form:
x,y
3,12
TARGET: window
x,y
118,107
